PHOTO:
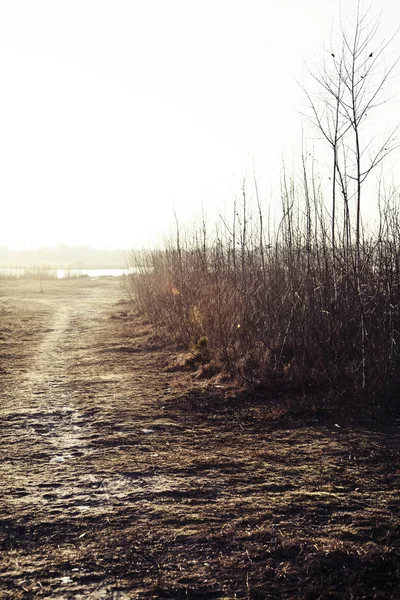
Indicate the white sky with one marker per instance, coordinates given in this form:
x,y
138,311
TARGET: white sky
x,y
113,112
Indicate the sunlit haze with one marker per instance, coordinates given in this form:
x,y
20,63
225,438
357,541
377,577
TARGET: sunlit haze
x,y
115,113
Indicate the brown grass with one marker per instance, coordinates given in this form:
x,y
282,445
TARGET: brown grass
x,y
172,486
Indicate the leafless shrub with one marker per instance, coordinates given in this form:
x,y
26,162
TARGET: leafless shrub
x,y
283,309
314,299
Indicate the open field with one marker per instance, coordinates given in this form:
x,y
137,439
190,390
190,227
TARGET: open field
x,y
121,478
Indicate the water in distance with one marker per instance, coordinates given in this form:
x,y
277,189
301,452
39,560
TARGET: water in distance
x,y
38,273
62,273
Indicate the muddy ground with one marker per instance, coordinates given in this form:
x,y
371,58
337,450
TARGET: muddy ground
x,y
123,479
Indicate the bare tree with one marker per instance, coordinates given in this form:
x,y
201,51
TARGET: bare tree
x,y
351,84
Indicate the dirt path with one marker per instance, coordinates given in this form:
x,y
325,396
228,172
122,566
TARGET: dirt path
x,y
61,429
120,479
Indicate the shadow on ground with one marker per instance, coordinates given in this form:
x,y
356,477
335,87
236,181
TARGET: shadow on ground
x,y
123,480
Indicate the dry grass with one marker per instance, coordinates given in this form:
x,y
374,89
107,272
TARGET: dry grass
x,y
174,487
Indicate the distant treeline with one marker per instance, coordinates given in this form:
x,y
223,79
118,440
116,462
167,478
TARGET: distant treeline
x,y
64,257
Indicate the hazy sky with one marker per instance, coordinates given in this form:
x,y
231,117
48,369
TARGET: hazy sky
x,y
113,112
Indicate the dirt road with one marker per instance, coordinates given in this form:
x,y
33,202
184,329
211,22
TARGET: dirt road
x,y
120,479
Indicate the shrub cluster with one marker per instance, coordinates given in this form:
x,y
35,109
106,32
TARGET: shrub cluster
x,y
292,307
